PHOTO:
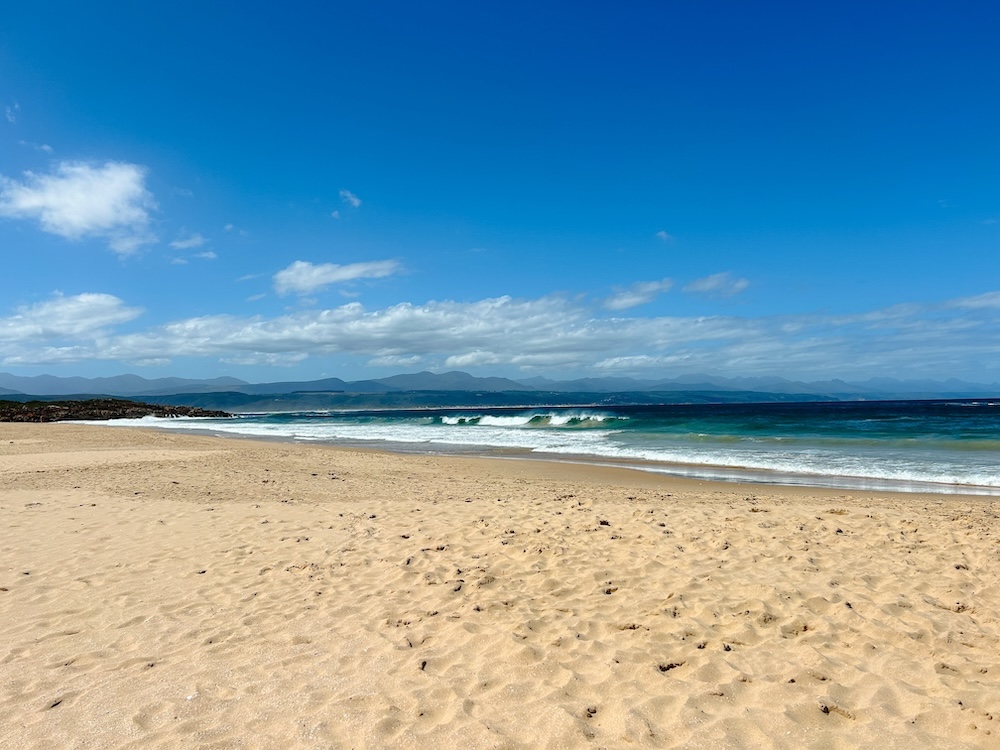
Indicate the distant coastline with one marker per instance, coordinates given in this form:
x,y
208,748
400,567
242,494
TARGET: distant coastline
x,y
456,388
97,408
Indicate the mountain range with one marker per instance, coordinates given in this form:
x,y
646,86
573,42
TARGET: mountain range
x,y
135,386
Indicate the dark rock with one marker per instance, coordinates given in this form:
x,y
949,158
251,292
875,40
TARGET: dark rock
x,y
97,408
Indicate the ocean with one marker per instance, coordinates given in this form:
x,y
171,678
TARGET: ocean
x,y
917,446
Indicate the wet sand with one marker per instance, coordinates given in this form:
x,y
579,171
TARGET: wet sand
x,y
168,590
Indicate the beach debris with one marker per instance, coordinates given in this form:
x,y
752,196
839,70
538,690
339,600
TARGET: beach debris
x,y
669,665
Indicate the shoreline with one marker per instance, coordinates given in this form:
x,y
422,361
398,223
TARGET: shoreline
x,y
166,589
721,473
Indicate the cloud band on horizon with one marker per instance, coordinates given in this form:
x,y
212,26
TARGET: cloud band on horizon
x,y
546,334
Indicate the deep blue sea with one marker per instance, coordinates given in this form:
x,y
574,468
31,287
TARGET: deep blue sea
x,y
927,446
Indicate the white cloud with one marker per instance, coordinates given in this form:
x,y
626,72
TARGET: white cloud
x,y
718,285
185,243
85,200
980,301
335,214
207,255
547,334
66,317
228,228
51,355
477,358
152,362
266,358
637,294
664,237
350,199
637,362
302,277
394,361
37,146
11,112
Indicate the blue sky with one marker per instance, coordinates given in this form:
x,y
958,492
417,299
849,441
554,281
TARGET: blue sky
x,y
562,189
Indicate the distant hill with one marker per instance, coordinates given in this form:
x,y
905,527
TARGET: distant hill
x,y
884,388
581,389
592,385
135,385
328,384
120,385
330,401
451,381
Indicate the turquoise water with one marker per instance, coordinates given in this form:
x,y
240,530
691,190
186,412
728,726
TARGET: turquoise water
x,y
937,446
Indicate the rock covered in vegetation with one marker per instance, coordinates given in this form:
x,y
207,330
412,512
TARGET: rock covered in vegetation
x,y
95,408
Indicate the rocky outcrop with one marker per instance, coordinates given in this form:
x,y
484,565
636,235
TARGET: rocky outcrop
x,y
96,408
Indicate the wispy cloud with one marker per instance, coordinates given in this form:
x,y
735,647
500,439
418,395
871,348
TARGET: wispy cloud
x,y
350,199
191,240
44,147
270,359
11,112
477,358
206,255
980,301
390,360
717,285
637,294
638,363
548,334
66,317
79,200
664,237
302,277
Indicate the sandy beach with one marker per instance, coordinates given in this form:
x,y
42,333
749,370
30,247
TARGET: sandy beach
x,y
162,590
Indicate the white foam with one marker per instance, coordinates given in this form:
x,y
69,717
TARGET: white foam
x,y
901,466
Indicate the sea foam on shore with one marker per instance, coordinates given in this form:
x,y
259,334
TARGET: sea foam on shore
x,y
913,446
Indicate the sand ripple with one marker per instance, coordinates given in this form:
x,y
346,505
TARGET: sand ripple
x,y
176,591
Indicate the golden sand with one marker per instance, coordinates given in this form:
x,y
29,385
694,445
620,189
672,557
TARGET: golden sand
x,y
160,590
